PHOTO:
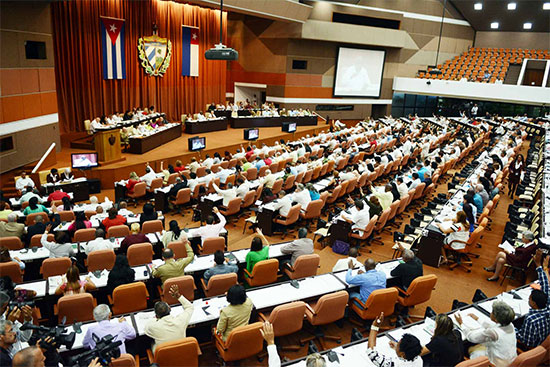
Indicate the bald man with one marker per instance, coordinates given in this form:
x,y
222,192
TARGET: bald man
x,y
29,357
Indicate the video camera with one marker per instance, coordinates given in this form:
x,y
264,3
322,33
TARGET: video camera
x,y
105,350
57,333
20,304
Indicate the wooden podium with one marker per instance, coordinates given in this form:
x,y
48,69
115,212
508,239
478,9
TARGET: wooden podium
x,y
107,145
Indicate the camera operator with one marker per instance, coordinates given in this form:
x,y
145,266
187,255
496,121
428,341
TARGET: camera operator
x,y
8,337
121,330
13,316
29,357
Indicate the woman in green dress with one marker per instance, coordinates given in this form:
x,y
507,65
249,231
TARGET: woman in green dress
x,y
258,251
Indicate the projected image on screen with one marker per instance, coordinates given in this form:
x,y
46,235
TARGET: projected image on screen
x,y
358,72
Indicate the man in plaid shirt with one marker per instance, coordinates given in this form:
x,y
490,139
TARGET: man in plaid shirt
x,y
536,325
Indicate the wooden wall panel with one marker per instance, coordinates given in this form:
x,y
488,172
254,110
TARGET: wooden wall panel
x,y
29,81
12,108
10,82
31,105
46,79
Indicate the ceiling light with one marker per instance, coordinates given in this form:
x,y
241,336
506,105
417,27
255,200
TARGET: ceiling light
x,y
527,25
511,6
494,25
546,6
478,6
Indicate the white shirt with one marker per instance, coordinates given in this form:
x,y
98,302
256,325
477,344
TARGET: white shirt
x,y
124,212
303,198
403,190
208,162
21,183
149,177
227,195
360,218
211,230
243,189
283,205
415,183
500,342
99,244
55,249
342,264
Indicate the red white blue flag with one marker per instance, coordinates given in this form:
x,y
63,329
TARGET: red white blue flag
x,y
112,41
190,51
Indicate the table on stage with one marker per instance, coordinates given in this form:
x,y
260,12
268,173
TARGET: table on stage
x,y
227,113
197,127
162,136
252,121
80,188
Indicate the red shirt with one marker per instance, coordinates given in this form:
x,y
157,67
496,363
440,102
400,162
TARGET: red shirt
x,y
130,185
249,153
179,169
58,195
113,222
268,161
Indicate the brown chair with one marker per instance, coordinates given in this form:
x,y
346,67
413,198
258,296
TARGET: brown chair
x,y
218,284
152,226
125,360
249,199
233,207
262,171
533,357
179,249
366,232
331,199
76,308
118,231
140,190
305,266
195,195
66,216
140,254
277,186
89,213
380,300
183,352
286,319
461,257
101,259
313,211
84,235
156,183
211,245
264,272
328,309
476,362
251,173
186,285
54,266
182,197
129,298
379,226
243,342
289,183
12,243
11,269
172,178
419,291
35,240
291,218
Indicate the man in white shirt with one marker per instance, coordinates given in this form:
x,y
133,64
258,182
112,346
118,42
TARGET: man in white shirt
x,y
347,175
359,217
208,162
402,187
61,248
301,196
100,243
122,209
229,194
23,182
244,187
283,204
166,327
28,195
269,179
343,264
149,176
415,181
222,174
211,229
194,165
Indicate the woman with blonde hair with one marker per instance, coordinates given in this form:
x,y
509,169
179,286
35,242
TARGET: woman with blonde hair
x,y
459,230
445,348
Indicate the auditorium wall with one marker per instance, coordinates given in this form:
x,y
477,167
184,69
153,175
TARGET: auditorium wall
x,y
27,86
267,49
536,40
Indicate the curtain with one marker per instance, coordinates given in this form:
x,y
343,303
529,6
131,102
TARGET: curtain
x,y
82,93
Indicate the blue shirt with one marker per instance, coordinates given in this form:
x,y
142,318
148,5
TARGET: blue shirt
x,y
314,195
293,171
421,173
367,282
260,164
535,327
478,202
220,269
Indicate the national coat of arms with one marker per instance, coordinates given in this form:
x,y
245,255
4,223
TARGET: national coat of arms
x,y
155,53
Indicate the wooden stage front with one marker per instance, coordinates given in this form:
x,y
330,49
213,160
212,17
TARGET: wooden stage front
x,y
217,141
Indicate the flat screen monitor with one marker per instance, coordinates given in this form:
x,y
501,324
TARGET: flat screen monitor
x,y
289,127
84,160
251,134
359,72
196,143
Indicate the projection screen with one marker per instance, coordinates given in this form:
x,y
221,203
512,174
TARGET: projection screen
x,y
358,72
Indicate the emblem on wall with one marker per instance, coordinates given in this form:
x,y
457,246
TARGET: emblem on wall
x,y
154,53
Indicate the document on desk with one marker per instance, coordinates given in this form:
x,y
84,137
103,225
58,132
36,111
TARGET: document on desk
x,y
54,282
142,318
29,254
39,287
387,268
152,237
99,281
200,263
468,320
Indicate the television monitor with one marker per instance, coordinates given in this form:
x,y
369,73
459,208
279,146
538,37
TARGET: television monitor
x,y
289,127
84,160
359,72
196,143
251,134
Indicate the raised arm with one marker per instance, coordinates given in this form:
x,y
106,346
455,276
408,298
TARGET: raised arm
x,y
262,237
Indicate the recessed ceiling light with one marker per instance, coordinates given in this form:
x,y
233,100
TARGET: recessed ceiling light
x,y
527,25
511,6
494,25
478,6
546,6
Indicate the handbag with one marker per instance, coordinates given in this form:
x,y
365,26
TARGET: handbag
x,y
340,247
196,215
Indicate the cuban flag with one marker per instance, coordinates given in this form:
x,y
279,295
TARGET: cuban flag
x,y
190,51
112,41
